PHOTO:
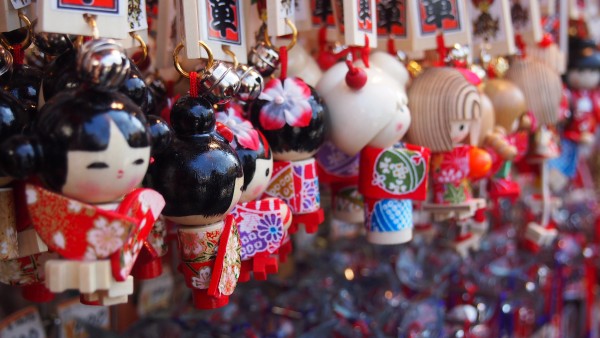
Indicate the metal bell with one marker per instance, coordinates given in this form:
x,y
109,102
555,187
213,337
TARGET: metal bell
x,y
52,43
219,83
6,60
251,83
264,58
103,64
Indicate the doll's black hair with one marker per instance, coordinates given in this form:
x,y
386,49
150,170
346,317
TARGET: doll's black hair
x,y
197,173
583,54
13,117
288,138
76,121
248,158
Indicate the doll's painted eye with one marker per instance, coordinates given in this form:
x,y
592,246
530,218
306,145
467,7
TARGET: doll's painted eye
x,y
97,165
138,161
461,127
267,172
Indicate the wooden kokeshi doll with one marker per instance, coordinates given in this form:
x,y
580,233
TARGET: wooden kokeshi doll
x,y
511,125
292,116
90,148
582,79
542,88
391,173
262,222
201,178
446,110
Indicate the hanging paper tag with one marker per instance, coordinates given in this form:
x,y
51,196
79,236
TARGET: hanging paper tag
x,y
138,23
24,323
322,15
527,20
302,15
216,23
359,21
18,4
66,17
156,294
429,17
492,27
9,14
563,31
391,20
548,7
73,315
277,12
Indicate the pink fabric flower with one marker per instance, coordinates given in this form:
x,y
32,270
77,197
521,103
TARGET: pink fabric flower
x,y
288,103
244,133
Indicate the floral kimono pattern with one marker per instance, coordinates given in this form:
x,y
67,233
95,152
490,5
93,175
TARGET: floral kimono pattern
x,y
199,251
450,176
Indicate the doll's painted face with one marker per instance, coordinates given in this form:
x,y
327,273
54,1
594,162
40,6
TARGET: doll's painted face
x,y
260,180
583,78
397,127
459,131
105,176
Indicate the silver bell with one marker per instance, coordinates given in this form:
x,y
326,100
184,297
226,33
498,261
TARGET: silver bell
x,y
264,58
6,60
103,64
219,83
251,83
53,44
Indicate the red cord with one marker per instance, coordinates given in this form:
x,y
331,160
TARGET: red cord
x,y
391,46
18,54
194,84
283,60
441,48
366,50
521,45
322,38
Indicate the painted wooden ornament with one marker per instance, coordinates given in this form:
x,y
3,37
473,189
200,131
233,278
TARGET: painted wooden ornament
x,y
509,140
262,222
81,140
201,178
292,115
390,173
542,88
446,111
582,79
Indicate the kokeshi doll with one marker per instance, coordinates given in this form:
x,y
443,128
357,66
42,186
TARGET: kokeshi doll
x,y
391,173
582,79
446,110
542,88
292,116
262,222
201,178
90,147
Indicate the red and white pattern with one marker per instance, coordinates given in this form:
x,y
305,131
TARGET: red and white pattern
x,y
80,231
287,104
244,133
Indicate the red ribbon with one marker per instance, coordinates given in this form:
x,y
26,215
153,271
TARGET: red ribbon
x,y
283,59
18,54
194,84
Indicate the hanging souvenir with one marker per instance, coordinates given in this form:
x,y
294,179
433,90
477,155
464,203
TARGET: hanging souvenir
x,y
511,124
491,27
73,17
218,23
582,79
391,173
526,21
262,222
10,12
81,140
454,160
542,89
291,115
201,178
